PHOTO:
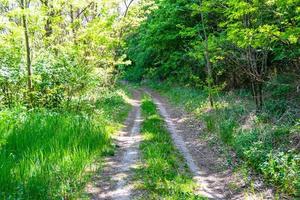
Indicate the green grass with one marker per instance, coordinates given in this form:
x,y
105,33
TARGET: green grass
x,y
263,141
45,154
164,174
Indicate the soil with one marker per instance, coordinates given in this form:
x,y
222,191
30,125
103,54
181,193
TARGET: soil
x,y
114,181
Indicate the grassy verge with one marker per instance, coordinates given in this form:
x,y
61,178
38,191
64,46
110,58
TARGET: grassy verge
x,y
267,142
164,174
44,154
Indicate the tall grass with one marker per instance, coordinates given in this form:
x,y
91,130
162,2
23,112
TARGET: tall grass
x,y
45,154
164,174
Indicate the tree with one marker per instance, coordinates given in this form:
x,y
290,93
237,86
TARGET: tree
x,y
253,30
24,4
69,48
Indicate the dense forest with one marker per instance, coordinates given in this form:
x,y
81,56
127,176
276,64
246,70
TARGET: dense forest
x,y
73,74
217,44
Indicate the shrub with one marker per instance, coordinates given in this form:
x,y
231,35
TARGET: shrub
x,y
256,154
210,122
281,85
134,74
283,169
276,107
226,129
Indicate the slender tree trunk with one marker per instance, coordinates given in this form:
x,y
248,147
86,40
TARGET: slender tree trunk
x,y
260,89
50,14
255,93
121,32
27,47
234,81
208,63
72,23
127,6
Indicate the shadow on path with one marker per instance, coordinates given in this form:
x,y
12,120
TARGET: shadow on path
x,y
114,181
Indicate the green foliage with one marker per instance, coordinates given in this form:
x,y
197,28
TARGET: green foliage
x,y
245,137
45,154
243,41
58,100
227,131
164,55
263,141
210,122
134,74
282,168
69,53
282,85
36,156
163,175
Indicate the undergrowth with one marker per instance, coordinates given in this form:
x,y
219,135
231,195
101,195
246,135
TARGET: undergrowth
x,y
163,174
268,141
44,154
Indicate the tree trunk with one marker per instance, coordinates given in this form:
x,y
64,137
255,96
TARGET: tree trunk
x,y
208,63
27,47
260,96
72,23
257,93
50,14
210,79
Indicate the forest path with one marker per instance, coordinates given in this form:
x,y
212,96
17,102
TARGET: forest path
x,y
114,182
214,178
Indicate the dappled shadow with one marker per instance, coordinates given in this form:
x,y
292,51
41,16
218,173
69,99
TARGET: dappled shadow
x,y
113,182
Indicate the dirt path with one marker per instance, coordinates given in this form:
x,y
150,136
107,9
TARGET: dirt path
x,y
114,181
213,176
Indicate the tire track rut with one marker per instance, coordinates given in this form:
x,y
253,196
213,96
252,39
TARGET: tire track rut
x,y
114,182
209,169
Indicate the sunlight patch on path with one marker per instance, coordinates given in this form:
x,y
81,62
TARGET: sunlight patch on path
x,y
114,183
129,160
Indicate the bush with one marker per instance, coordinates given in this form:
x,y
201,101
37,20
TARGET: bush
x,y
226,129
243,141
281,85
210,122
134,74
283,169
276,107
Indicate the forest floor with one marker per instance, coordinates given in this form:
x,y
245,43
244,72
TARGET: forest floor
x,y
213,177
